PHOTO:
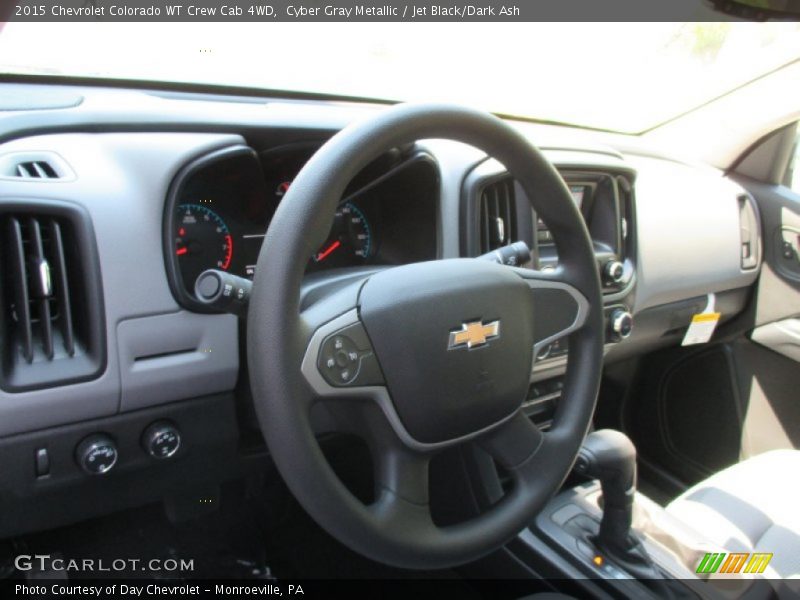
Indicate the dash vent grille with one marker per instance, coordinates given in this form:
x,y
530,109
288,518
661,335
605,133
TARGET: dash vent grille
x,y
51,322
40,313
35,169
498,215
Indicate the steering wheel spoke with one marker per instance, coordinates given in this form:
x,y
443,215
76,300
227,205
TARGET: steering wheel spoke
x,y
400,472
514,442
560,307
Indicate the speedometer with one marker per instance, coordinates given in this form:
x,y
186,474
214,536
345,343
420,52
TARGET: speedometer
x,y
350,241
202,241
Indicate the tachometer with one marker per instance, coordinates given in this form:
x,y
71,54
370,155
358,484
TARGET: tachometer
x,y
203,241
350,241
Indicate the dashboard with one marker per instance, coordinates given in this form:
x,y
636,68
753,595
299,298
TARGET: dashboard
x,y
129,195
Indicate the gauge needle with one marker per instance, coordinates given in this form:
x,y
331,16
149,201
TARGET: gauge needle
x,y
181,251
324,254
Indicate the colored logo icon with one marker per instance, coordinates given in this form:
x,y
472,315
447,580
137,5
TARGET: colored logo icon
x,y
735,562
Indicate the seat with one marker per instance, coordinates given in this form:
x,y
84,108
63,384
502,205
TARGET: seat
x,y
750,507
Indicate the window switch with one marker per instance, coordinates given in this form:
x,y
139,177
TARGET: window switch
x,y
42,463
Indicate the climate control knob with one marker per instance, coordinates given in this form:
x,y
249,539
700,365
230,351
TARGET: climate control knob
x,y
97,454
621,324
161,440
613,271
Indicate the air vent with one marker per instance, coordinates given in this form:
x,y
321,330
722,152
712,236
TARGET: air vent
x,y
625,192
749,232
36,169
498,215
37,166
51,308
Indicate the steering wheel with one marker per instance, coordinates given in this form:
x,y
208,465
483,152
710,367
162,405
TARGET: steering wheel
x,y
419,358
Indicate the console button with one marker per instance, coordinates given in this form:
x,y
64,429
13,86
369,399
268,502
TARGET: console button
x,y
42,463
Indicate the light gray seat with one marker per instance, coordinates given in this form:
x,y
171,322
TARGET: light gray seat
x,y
753,506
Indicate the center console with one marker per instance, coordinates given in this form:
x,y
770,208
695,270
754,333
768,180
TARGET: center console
x,y
604,197
594,527
604,535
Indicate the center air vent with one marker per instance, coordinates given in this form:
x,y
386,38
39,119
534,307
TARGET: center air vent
x,y
51,329
498,215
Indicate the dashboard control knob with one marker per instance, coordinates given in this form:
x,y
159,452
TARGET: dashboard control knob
x,y
621,322
613,271
161,440
96,454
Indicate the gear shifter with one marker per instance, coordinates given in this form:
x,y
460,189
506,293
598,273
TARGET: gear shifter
x,y
610,456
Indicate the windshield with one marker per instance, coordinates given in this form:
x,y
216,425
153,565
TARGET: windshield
x,y
620,77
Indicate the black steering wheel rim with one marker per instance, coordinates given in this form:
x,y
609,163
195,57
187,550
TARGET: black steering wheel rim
x,y
397,529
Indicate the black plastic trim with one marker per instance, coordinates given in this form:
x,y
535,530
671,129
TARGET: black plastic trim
x,y
208,455
93,363
181,294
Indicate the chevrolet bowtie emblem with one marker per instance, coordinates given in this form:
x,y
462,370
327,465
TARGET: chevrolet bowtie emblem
x,y
473,334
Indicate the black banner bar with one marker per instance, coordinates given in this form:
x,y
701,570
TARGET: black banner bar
x,y
385,10
388,589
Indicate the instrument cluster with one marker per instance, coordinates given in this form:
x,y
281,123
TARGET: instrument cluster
x,y
220,206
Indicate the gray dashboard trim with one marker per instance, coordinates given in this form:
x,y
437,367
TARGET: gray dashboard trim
x,y
688,233
176,356
121,179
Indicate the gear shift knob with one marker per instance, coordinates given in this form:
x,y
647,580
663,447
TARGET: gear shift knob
x,y
610,457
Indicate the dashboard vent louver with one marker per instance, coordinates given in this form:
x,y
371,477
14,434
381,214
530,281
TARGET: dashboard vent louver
x,y
625,193
50,308
35,271
35,169
498,215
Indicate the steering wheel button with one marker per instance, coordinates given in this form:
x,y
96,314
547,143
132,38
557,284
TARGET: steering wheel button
x,y
342,358
369,372
346,359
